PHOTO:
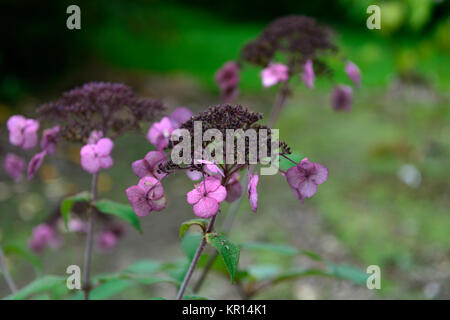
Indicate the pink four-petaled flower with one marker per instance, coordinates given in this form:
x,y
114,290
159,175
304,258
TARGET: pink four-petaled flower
x,y
304,178
147,196
206,197
159,133
14,166
96,157
353,73
23,131
274,73
149,165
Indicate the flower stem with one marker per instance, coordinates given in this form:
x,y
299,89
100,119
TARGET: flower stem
x,y
89,239
7,276
194,262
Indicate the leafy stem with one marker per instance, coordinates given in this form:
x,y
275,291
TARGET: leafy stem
x,y
194,262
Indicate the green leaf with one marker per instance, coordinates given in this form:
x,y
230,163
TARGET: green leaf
x,y
347,272
202,223
285,164
227,249
23,253
190,244
68,203
123,211
144,266
38,286
278,248
110,288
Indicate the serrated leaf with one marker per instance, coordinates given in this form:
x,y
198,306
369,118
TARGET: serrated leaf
x,y
285,164
228,250
202,223
38,286
123,211
68,203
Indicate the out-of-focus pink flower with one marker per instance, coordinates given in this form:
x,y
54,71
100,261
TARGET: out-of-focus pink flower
x,y
159,133
194,175
149,165
43,235
35,163
341,98
206,197
308,75
274,73
179,116
304,178
147,196
23,131
49,139
252,192
106,241
234,188
353,73
96,157
227,78
95,136
77,225
14,166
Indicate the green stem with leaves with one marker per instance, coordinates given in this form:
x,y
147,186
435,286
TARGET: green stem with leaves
x,y
89,239
8,278
280,101
194,262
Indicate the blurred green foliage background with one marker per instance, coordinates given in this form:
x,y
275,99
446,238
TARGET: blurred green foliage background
x,y
367,213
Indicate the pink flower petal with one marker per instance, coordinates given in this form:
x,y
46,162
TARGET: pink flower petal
x,y
320,174
194,196
206,208
136,196
307,188
104,146
219,194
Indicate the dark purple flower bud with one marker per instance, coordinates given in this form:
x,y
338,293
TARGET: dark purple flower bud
x,y
341,98
35,163
234,188
149,165
14,166
227,78
49,139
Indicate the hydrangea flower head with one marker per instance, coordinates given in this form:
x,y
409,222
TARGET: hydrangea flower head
x,y
206,196
96,157
23,131
147,196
